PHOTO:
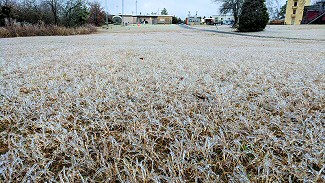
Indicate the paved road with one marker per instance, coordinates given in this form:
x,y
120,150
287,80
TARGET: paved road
x,y
248,35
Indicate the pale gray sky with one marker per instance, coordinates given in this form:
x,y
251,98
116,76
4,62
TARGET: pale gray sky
x,y
179,8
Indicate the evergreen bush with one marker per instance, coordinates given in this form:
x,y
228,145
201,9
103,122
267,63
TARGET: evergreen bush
x,y
254,16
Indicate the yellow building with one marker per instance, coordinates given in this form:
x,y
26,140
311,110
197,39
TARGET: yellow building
x,y
295,11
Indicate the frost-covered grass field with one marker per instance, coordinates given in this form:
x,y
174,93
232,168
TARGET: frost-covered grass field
x,y
161,104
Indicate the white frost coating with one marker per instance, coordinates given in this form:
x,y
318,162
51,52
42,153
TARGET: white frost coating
x,y
161,103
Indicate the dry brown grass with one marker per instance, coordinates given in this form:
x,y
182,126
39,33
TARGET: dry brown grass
x,y
46,30
111,108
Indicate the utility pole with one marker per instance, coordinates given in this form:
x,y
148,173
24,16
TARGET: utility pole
x,y
123,12
136,7
106,13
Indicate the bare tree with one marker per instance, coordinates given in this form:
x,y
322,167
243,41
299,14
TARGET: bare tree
x,y
97,14
273,7
28,11
231,6
55,6
75,13
70,5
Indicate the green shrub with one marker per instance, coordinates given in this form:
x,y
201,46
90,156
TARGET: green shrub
x,y
254,16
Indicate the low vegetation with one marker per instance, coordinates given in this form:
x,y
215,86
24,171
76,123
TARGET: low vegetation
x,y
35,30
161,107
47,18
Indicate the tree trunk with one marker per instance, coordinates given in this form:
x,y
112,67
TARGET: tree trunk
x,y
236,16
53,5
236,20
55,17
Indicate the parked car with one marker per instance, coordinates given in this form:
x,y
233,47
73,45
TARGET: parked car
x,y
277,22
229,22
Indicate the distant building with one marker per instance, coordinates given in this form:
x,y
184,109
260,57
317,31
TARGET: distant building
x,y
295,10
209,21
128,19
223,19
154,19
314,14
117,19
193,20
146,19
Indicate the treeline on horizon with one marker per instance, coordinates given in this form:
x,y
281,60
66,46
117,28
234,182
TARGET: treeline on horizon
x,y
19,18
67,13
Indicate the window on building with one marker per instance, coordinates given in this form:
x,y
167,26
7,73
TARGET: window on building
x,y
295,3
294,12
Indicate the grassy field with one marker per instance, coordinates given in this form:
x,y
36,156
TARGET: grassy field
x,y
161,104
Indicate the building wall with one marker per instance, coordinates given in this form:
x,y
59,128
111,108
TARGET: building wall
x,y
164,20
315,11
135,20
223,18
148,19
154,19
128,19
295,10
193,20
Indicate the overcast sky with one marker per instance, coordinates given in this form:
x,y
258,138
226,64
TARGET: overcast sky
x,y
179,8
